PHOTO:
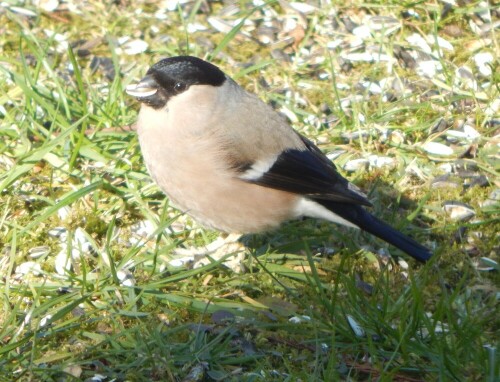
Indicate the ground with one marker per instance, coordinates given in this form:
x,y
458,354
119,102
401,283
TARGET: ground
x,y
403,97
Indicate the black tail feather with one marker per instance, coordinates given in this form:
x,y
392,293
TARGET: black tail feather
x,y
369,223
385,232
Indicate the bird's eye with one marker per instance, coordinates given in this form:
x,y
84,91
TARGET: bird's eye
x,y
179,87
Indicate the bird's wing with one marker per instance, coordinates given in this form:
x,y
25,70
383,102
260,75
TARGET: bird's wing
x,y
306,172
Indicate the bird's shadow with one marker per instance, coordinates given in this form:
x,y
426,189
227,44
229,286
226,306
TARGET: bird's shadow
x,y
307,234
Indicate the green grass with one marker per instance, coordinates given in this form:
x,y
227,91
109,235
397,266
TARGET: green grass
x,y
67,160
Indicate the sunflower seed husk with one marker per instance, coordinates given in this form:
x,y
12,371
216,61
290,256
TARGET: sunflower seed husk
x,y
24,11
483,11
356,164
356,135
419,42
428,68
356,328
385,24
47,5
57,232
469,133
299,319
303,8
486,264
39,251
440,42
436,148
484,62
28,267
492,200
381,161
63,213
363,32
126,278
458,211
444,181
477,180
62,262
135,47
182,261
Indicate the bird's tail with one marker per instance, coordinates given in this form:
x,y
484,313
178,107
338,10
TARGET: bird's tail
x,y
385,232
369,223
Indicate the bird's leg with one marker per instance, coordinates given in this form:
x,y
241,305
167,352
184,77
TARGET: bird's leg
x,y
215,251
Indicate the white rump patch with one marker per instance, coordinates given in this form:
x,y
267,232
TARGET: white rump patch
x,y
306,207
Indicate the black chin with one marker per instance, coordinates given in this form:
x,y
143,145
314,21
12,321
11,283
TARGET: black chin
x,y
156,101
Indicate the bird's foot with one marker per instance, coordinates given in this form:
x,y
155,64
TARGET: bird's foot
x,y
217,250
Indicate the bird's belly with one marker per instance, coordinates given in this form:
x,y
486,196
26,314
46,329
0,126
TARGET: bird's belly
x,y
232,206
229,204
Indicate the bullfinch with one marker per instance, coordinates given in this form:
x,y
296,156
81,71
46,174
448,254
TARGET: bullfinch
x,y
234,164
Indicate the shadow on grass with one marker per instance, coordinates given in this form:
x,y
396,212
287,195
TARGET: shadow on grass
x,y
298,236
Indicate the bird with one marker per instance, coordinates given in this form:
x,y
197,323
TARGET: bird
x,y
234,164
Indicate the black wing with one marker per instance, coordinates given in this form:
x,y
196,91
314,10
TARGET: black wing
x,y
309,172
